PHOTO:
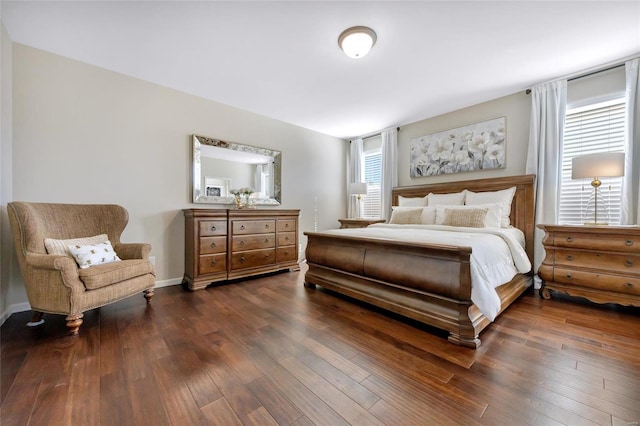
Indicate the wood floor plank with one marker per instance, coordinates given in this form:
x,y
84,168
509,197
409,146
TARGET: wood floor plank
x,y
269,351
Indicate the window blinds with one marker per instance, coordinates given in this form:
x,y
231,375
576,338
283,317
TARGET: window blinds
x,y
373,177
591,129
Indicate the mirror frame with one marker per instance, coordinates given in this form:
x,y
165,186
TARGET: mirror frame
x,y
196,166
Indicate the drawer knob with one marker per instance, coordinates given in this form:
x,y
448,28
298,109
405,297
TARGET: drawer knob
x,y
213,262
629,285
241,242
266,256
629,262
213,244
213,228
569,239
569,257
286,238
266,226
242,259
628,243
569,276
266,240
241,226
286,225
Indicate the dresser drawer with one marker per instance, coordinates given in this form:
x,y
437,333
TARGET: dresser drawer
x,y
286,254
623,263
253,258
213,227
286,225
211,245
609,282
244,227
595,241
286,238
251,242
212,263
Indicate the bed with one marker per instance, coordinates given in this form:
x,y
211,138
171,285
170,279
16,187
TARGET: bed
x,y
427,282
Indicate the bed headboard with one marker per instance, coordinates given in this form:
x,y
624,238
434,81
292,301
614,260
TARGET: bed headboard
x,y
522,207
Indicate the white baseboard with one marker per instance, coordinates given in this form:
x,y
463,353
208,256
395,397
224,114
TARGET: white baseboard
x,y
17,307
23,307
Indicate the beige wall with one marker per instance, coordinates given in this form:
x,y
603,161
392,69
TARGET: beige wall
x,y
83,134
516,108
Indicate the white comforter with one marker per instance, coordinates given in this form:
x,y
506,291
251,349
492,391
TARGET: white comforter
x,y
497,254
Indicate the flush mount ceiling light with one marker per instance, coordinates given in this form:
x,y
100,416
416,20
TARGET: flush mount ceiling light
x,y
357,41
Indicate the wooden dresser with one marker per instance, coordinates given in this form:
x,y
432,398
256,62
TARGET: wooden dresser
x,y
600,263
225,244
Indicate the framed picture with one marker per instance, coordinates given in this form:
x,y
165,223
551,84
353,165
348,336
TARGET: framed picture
x,y
214,191
478,146
216,186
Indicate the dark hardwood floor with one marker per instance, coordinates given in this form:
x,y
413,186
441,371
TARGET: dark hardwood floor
x,y
268,351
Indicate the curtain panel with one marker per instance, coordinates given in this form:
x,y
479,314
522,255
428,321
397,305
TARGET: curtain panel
x,y
630,203
548,110
389,178
354,176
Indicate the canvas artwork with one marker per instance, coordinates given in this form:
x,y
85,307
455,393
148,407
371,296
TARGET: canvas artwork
x,y
477,146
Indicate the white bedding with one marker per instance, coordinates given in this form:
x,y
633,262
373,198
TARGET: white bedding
x,y
497,254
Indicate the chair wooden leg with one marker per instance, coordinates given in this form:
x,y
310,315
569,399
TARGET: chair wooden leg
x,y
148,294
36,319
74,321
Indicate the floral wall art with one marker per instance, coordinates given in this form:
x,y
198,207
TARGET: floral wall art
x,y
474,147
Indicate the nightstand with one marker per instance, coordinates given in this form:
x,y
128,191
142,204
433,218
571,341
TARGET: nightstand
x,y
599,263
358,223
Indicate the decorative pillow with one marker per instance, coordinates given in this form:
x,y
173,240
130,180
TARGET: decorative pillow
x,y
491,220
93,254
471,218
452,199
412,201
62,246
406,215
503,197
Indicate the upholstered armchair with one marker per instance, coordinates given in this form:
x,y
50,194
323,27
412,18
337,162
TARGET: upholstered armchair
x,y
55,283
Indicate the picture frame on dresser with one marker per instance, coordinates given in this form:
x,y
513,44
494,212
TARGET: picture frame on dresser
x,y
598,263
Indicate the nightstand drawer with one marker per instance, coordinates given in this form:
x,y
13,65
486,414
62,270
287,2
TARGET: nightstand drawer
x,y
593,241
599,281
624,263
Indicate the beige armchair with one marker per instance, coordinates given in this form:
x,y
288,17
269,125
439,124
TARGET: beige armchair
x,y
54,283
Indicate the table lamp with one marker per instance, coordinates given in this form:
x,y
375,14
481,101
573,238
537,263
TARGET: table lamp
x,y
357,189
596,166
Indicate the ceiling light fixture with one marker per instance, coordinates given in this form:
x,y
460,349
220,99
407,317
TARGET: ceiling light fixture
x,y
357,41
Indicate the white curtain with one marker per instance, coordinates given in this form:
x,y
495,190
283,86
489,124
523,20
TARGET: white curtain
x,y
548,110
630,203
354,176
389,178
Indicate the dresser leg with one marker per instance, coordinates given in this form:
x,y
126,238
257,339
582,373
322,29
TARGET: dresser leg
x,y
545,293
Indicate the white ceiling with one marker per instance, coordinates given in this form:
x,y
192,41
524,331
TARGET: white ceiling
x,y
281,59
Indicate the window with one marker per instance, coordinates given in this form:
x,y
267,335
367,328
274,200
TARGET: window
x,y
591,129
373,176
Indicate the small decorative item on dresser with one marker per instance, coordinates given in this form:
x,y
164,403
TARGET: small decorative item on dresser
x,y
358,223
601,264
243,198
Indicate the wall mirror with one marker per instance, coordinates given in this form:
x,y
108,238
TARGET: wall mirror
x,y
220,166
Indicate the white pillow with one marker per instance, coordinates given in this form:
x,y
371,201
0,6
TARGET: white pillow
x,y
452,199
503,197
62,246
412,201
491,220
93,254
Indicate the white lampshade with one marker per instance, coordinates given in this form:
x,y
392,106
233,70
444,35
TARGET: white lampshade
x,y
357,41
358,188
607,164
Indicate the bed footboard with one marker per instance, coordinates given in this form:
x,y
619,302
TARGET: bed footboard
x,y
427,283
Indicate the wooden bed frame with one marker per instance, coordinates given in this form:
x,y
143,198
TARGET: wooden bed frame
x,y
428,283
